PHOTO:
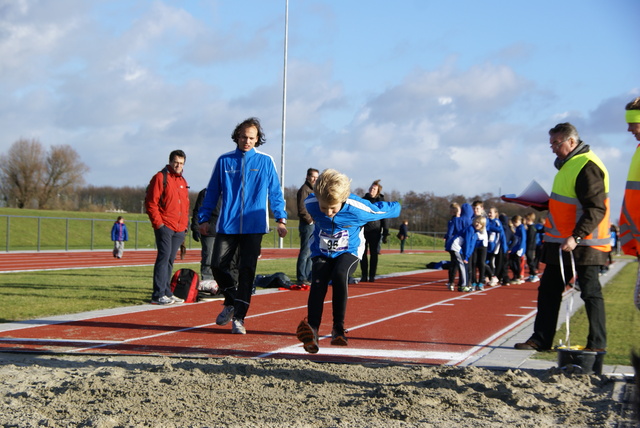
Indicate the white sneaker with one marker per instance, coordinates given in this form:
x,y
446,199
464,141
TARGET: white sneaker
x,y
226,315
176,299
237,327
494,281
164,300
534,278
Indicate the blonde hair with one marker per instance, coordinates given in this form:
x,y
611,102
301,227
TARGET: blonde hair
x,y
480,219
332,187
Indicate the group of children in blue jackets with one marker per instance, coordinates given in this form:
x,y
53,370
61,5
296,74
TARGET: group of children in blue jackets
x,y
485,246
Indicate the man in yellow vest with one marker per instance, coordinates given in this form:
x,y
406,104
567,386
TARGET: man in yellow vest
x,y
630,215
576,230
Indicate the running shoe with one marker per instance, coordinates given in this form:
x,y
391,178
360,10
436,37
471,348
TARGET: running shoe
x,y
237,327
338,338
164,300
226,315
308,336
176,299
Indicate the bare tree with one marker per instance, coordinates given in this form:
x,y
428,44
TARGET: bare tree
x,y
31,177
21,172
64,174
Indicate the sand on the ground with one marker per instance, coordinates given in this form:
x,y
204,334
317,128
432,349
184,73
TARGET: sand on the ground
x,y
133,391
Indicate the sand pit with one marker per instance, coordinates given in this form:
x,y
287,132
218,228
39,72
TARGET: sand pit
x,y
98,391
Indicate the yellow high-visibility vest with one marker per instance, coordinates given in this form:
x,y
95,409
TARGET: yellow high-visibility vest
x,y
565,208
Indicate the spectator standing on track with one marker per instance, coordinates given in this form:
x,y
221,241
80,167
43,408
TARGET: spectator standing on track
x,y
496,247
373,232
305,227
167,204
336,248
577,229
629,236
244,179
478,260
403,234
460,220
532,235
119,234
517,249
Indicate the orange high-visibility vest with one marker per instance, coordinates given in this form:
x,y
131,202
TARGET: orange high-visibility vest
x,y
630,214
565,208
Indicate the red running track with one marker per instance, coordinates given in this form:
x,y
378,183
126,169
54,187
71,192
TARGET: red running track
x,y
410,318
32,261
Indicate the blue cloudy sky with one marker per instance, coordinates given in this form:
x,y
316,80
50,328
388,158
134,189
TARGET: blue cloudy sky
x,y
429,96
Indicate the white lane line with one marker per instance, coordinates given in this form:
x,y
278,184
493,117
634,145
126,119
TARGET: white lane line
x,y
379,353
452,357
41,340
390,353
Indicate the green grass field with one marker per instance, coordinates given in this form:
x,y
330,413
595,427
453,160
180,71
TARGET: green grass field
x,y
38,230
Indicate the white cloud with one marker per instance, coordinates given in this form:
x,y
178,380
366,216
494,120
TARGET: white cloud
x,y
127,82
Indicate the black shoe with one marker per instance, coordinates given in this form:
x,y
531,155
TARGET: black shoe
x,y
529,345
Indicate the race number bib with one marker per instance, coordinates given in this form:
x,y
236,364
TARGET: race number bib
x,y
336,242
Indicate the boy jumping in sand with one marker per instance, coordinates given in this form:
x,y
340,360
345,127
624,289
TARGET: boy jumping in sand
x,y
336,249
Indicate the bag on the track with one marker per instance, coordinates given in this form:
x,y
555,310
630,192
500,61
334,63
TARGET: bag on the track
x,y
276,280
184,284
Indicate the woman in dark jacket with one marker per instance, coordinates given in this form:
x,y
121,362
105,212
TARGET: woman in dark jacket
x,y
374,231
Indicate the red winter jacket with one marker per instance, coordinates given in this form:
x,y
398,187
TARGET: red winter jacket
x,y
173,212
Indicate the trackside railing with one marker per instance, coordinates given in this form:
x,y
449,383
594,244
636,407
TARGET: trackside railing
x,y
35,233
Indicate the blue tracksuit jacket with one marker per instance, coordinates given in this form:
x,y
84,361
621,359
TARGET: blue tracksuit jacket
x,y
245,181
344,233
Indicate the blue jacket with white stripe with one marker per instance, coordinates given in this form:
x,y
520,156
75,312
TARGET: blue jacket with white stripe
x,y
343,233
245,181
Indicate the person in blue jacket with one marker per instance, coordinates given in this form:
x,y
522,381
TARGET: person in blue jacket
x,y
336,248
517,249
245,180
119,234
470,237
497,246
460,219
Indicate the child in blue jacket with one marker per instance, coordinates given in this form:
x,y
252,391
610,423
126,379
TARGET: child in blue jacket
x,y
461,217
463,246
497,246
119,235
517,249
337,245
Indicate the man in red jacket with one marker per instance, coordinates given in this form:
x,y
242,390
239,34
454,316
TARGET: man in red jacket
x,y
167,204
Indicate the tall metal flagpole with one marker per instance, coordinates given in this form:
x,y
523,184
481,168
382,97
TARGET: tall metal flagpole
x,y
284,99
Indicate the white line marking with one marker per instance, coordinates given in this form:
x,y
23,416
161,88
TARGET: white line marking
x,y
380,353
451,357
36,340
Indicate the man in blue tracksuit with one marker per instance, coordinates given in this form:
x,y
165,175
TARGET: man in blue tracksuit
x,y
244,179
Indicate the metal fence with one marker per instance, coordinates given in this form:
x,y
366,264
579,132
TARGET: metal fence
x,y
31,233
